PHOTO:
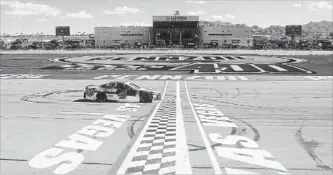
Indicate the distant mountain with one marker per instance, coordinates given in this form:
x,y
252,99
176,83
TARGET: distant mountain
x,y
311,27
322,26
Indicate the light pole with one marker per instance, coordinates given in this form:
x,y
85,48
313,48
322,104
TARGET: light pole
x,y
84,39
104,36
171,39
180,37
129,38
157,34
248,38
222,38
170,32
148,38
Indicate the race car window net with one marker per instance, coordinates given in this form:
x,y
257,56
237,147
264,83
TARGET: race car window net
x,y
119,85
134,85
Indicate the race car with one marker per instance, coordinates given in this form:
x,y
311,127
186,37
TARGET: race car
x,y
120,92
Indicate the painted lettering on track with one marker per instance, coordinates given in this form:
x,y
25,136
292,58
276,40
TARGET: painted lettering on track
x,y
234,147
128,107
88,138
210,116
172,78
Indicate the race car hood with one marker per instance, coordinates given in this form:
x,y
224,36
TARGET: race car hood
x,y
156,95
148,90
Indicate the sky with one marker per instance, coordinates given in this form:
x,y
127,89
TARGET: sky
x,y
41,16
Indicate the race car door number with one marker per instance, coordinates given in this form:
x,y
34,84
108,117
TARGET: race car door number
x,y
112,90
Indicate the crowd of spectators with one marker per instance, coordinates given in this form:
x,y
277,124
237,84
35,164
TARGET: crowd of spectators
x,y
54,44
322,44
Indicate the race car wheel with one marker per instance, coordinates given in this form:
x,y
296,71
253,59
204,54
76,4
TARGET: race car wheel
x,y
146,97
101,97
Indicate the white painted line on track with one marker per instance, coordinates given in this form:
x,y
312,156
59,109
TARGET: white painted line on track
x,y
224,58
236,68
128,160
23,76
183,165
278,68
261,70
198,71
183,66
156,67
309,72
232,78
80,113
203,134
100,77
237,171
243,78
124,77
319,77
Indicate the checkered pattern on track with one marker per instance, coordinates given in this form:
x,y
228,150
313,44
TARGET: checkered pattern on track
x,y
156,153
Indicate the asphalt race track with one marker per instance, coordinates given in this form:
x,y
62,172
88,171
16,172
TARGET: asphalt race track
x,y
277,121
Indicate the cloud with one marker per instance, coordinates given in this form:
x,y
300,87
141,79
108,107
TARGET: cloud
x,y
137,23
121,11
220,17
230,16
80,15
196,13
297,5
314,6
196,2
216,17
40,20
25,9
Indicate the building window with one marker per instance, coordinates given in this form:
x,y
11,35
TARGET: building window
x,y
219,34
133,34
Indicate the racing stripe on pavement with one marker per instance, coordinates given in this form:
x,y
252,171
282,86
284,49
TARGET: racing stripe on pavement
x,y
154,151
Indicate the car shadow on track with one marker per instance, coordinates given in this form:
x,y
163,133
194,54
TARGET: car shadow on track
x,y
109,101
92,101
